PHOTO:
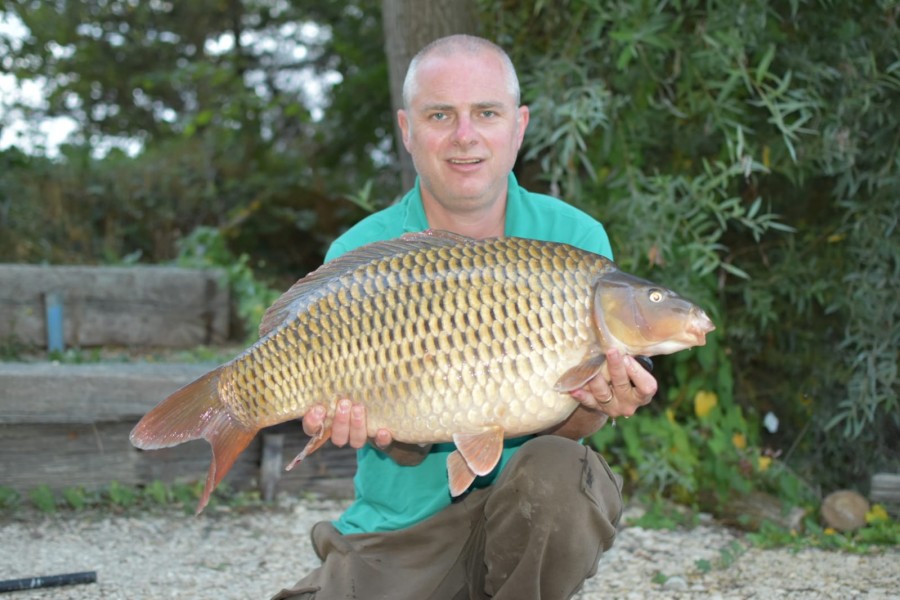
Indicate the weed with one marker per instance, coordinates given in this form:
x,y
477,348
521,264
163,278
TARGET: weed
x,y
75,497
9,498
662,514
158,493
120,495
43,499
659,578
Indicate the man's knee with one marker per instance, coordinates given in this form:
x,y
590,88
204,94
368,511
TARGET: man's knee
x,y
555,472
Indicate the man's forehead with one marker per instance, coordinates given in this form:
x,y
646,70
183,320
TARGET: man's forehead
x,y
463,80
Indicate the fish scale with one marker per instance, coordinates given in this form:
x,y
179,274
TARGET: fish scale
x,y
441,337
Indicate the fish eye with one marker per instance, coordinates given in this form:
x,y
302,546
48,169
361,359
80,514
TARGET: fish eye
x,y
655,296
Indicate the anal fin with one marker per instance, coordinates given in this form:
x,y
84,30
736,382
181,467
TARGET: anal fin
x,y
481,450
459,474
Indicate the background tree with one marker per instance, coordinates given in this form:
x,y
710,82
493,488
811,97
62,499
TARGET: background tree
x,y
409,25
231,136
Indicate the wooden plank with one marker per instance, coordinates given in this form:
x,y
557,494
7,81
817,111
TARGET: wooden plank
x,y
94,455
116,306
885,489
62,393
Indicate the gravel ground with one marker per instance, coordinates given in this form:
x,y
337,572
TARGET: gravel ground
x,y
253,553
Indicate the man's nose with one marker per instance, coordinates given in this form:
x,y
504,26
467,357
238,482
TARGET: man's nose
x,y
464,133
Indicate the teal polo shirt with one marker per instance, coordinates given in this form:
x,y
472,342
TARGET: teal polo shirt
x,y
389,496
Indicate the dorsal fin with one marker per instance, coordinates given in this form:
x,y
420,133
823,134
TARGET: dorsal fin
x,y
299,294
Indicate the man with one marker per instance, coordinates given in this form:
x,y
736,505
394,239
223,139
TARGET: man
x,y
536,527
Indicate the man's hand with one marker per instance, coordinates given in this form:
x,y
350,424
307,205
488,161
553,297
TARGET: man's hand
x,y
630,386
347,427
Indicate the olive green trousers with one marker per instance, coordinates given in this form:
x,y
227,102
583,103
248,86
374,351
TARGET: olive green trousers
x,y
537,532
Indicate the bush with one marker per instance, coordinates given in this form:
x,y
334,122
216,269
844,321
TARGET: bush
x,y
745,155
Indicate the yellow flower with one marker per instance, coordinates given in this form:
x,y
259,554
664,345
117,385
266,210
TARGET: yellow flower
x,y
739,440
704,402
670,415
764,462
876,514
830,531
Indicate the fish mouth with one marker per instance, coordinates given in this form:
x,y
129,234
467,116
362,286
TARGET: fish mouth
x,y
699,324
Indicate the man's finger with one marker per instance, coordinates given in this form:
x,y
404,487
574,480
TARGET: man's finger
x,y
358,433
313,419
340,427
383,438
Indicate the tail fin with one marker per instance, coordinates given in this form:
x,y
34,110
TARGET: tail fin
x,y
193,412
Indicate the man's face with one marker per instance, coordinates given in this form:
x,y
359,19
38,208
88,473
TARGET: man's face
x,y
463,129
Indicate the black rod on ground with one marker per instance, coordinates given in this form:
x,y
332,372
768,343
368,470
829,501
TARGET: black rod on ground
x,y
32,583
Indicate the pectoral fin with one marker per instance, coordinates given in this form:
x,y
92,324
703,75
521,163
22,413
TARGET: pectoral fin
x,y
315,442
580,374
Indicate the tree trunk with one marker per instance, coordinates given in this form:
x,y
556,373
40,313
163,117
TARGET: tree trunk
x,y
408,26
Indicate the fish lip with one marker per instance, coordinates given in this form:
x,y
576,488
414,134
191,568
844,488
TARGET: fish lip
x,y
699,325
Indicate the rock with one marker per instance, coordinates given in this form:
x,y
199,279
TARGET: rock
x,y
845,510
675,584
750,511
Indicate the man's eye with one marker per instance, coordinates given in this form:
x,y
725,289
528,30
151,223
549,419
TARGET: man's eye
x,y
438,116
488,114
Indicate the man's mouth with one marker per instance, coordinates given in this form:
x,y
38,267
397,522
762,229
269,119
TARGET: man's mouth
x,y
465,161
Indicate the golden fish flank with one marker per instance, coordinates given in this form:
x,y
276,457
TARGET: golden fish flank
x,y
442,337
393,329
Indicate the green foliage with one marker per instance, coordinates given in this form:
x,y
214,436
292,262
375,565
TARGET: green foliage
x,y
214,98
204,248
661,514
75,497
121,496
43,498
127,497
158,493
10,499
883,532
745,155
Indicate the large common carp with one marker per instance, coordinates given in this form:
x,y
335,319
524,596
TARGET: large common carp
x,y
442,337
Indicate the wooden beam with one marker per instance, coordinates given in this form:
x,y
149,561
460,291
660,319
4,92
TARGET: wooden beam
x,y
116,306
63,393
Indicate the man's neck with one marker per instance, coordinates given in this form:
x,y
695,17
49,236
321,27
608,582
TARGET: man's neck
x,y
476,222
467,224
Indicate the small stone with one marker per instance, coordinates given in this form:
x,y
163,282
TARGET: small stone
x,y
845,510
675,584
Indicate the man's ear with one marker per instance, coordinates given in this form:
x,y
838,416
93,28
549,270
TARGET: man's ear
x,y
403,122
522,119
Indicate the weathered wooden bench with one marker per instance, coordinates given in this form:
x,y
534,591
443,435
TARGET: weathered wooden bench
x,y
67,425
166,307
